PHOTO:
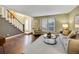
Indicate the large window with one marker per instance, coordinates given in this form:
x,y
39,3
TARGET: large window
x,y
48,24
77,23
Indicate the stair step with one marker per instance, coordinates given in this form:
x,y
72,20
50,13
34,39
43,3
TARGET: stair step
x,y
10,22
5,16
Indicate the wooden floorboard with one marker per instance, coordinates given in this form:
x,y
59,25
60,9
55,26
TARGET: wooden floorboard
x,y
17,45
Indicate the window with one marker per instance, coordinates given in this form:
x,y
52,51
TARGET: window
x,y
77,23
48,24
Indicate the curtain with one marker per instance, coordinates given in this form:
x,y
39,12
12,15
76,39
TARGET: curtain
x,y
48,24
44,24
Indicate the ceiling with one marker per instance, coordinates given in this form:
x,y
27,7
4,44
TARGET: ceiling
x,y
41,10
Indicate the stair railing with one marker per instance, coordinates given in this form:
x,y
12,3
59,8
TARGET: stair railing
x,y
12,19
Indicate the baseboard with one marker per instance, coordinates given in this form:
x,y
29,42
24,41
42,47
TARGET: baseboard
x,y
15,36
28,33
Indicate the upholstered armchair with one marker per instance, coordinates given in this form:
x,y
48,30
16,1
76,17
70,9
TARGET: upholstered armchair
x,y
65,32
37,31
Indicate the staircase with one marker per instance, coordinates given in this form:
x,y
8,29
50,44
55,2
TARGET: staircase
x,y
7,16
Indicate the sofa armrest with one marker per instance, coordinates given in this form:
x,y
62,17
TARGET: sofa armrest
x,y
73,46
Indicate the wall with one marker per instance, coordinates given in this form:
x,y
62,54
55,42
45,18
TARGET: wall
x,y
36,23
24,19
72,15
60,19
20,17
28,24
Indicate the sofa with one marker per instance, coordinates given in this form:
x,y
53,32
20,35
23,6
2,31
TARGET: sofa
x,y
73,44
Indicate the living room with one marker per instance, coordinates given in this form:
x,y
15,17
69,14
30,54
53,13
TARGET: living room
x,y
34,23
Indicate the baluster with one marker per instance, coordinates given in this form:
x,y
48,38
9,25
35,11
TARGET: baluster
x,y
6,15
18,24
2,12
10,18
13,21
21,27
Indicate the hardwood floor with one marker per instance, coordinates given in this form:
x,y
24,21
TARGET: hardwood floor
x,y
17,45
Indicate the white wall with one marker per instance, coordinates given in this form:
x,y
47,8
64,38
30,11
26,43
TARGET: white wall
x,y
28,24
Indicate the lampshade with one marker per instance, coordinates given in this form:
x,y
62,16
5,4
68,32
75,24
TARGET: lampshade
x,y
65,26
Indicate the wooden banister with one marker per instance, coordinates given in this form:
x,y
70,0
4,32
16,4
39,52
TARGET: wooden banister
x,y
16,18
